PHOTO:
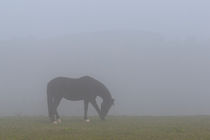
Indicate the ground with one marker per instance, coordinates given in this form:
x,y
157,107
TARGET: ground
x,y
114,128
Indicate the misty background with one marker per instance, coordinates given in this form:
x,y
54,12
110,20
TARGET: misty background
x,y
153,56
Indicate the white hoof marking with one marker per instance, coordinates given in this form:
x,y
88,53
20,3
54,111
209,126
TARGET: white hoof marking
x,y
55,122
87,120
59,121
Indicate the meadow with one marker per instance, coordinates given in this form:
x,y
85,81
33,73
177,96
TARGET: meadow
x,y
114,128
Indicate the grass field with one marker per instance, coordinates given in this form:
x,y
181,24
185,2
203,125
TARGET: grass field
x,y
114,128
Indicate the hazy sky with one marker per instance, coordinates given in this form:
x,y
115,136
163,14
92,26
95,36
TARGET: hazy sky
x,y
47,18
145,75
149,53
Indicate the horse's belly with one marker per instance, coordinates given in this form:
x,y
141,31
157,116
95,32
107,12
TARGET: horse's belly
x,y
74,96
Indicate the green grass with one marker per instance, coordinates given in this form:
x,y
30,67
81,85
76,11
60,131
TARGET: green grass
x,y
114,128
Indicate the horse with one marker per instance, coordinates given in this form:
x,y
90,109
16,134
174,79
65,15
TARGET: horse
x,y
84,88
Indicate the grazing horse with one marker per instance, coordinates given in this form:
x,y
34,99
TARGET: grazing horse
x,y
85,88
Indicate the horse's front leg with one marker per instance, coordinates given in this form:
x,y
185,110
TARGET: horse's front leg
x,y
95,105
85,110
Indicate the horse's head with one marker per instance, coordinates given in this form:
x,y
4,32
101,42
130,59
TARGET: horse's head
x,y
105,107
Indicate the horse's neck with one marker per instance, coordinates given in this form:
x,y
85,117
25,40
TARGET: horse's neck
x,y
105,97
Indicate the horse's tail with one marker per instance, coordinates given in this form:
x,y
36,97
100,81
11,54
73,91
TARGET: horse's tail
x,y
49,102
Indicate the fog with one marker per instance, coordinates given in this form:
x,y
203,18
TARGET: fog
x,y
153,56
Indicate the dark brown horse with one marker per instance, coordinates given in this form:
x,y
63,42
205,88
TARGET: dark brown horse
x,y
85,88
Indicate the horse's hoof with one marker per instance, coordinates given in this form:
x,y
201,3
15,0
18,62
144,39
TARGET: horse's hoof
x,y
87,120
55,122
59,121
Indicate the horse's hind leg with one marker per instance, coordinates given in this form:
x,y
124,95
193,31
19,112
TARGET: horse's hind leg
x,y
56,116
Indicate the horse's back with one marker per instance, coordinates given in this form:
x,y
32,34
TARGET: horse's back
x,y
73,88
67,80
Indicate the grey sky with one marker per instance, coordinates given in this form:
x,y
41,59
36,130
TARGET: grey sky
x,y
41,19
145,75
152,55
